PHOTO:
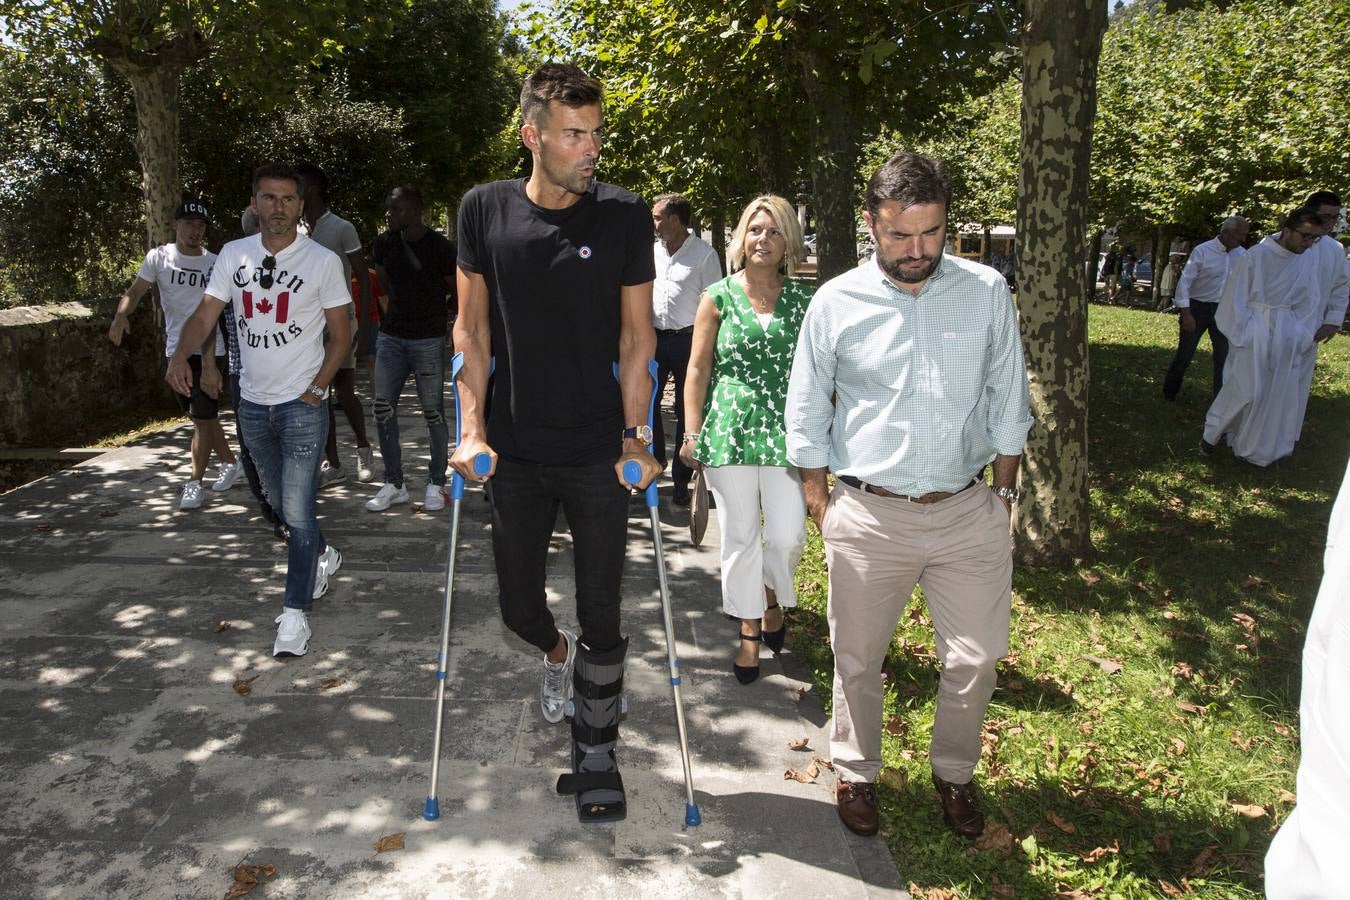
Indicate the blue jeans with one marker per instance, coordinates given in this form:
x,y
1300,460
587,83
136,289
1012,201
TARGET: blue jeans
x,y
395,360
286,442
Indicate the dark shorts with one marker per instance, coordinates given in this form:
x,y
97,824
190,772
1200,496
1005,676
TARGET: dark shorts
x,y
199,405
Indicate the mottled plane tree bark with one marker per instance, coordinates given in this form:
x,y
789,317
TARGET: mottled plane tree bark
x,y
1061,44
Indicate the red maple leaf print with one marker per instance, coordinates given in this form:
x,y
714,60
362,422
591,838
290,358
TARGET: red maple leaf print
x,y
264,306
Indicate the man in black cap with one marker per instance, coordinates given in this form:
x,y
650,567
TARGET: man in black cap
x,y
180,270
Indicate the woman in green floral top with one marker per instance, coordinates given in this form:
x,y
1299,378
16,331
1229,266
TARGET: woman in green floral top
x,y
745,333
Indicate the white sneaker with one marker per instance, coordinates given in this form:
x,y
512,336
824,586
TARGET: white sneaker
x,y
389,494
365,472
436,498
192,496
330,474
292,633
330,560
556,686
229,474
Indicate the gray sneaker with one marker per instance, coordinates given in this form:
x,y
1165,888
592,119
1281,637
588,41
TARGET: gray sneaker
x,y
292,633
556,686
330,474
365,470
330,560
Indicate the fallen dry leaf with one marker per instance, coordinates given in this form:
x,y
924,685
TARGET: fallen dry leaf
x,y
244,686
1177,747
897,726
998,838
801,692
1169,615
799,744
1055,820
1109,666
1183,670
1286,797
1281,730
919,893
794,775
1090,577
895,779
1248,810
1246,621
223,625
1075,894
1252,581
1099,853
1003,891
823,762
246,878
813,770
1170,889
329,683
1196,708
390,842
1014,684
1203,862
1162,842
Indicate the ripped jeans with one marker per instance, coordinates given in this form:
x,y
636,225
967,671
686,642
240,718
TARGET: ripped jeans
x,y
395,360
286,442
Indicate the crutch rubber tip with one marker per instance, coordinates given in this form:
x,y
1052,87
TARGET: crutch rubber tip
x,y
691,816
632,472
432,811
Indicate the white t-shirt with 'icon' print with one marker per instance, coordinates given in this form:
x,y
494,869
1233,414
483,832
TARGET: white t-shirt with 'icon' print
x,y
280,327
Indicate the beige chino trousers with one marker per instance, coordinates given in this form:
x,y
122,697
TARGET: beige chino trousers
x,y
877,549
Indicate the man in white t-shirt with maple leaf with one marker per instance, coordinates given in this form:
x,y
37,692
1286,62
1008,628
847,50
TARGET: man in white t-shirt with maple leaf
x,y
285,288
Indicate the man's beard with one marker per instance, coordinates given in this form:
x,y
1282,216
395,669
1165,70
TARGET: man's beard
x,y
570,180
892,267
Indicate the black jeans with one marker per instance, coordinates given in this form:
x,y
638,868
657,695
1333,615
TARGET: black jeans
x,y
672,358
1204,322
525,500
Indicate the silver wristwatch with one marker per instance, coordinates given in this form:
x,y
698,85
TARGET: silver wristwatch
x,y
315,391
1008,495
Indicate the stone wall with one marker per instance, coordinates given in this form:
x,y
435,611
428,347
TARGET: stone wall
x,y
59,372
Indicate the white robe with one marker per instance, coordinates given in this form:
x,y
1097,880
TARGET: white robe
x,y
1272,306
1308,859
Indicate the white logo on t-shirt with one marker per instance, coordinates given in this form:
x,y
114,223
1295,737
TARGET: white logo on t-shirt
x,y
584,252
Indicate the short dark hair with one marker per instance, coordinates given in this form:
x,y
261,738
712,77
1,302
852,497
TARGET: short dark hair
x,y
313,174
1304,215
562,82
410,193
278,170
677,205
909,179
1322,198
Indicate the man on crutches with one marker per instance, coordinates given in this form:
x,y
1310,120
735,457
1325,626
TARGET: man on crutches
x,y
555,280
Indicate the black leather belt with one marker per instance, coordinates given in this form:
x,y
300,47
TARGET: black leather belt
x,y
688,330
933,497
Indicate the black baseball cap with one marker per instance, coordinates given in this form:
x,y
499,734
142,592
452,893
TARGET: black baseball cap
x,y
192,209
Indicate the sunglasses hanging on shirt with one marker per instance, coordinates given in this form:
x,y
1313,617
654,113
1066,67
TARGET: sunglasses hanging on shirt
x,y
269,265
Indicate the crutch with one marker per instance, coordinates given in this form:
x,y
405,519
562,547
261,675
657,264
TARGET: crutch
x,y
632,473
482,464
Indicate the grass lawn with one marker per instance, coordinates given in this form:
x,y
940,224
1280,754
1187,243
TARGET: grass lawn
x,y
1143,738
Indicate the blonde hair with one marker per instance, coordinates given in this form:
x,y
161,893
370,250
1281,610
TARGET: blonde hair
x,y
785,217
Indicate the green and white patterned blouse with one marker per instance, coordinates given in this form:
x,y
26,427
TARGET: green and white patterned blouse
x,y
743,422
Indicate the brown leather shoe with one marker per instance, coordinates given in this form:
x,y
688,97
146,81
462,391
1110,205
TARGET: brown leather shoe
x,y
857,805
960,807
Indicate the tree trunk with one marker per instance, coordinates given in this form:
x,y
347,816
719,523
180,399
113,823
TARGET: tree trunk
x,y
156,93
719,238
1155,283
836,142
1059,99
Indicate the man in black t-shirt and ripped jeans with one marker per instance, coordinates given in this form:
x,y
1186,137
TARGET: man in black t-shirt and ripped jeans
x,y
416,267
555,279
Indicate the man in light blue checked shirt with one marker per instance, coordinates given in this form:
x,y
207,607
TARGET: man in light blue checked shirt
x,y
908,382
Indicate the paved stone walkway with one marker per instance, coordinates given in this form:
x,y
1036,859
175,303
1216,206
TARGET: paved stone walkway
x,y
132,768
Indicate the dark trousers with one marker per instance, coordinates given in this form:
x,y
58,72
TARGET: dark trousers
x,y
1204,322
672,359
525,500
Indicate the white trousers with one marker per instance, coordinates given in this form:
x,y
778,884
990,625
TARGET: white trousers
x,y
762,514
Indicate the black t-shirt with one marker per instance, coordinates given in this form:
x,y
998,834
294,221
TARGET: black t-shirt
x,y
554,278
418,307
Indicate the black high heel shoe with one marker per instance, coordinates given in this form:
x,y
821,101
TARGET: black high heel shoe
x,y
746,674
774,639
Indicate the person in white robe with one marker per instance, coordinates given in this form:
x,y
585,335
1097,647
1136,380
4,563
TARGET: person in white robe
x,y
1333,269
1272,312
1308,859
